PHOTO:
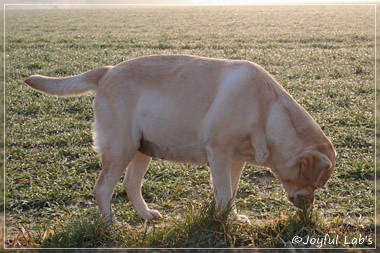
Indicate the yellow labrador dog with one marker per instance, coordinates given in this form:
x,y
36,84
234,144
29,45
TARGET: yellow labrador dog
x,y
197,110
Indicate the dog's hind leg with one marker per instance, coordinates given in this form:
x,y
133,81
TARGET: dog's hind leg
x,y
132,185
114,161
117,145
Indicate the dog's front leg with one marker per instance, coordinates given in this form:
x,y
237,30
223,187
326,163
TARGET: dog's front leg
x,y
236,171
221,166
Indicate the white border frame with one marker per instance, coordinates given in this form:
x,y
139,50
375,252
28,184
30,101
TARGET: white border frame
x,y
189,4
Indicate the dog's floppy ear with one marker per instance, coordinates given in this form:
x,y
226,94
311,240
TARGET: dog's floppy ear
x,y
315,168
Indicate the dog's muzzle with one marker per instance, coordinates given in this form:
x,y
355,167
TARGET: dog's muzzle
x,y
302,202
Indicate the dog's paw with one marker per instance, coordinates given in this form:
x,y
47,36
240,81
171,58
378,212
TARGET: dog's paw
x,y
115,222
150,214
241,218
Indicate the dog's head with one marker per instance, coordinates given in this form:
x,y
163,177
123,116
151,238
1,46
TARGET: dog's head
x,y
308,172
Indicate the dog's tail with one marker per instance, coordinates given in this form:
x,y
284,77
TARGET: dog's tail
x,y
67,86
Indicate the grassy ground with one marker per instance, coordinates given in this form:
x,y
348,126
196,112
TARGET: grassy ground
x,y
324,56
2,135
377,119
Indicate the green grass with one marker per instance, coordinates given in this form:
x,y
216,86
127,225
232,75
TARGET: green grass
x,y
202,227
2,137
377,121
323,58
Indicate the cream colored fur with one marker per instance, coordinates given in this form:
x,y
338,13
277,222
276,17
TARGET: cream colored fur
x,y
197,110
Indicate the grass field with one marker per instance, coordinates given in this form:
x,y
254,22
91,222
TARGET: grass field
x,y
323,55
2,139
